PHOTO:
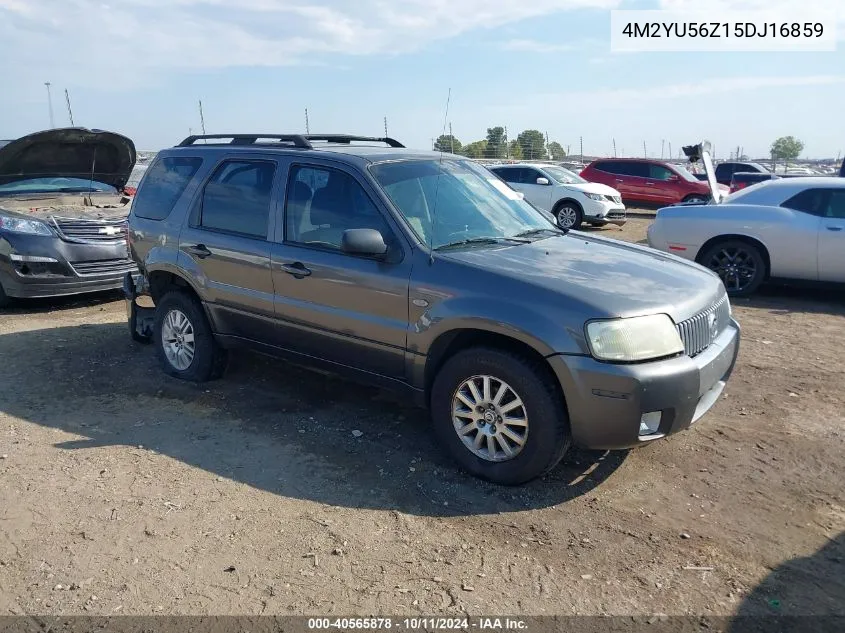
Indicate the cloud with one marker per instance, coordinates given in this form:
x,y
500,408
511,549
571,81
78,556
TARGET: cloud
x,y
533,46
698,88
87,38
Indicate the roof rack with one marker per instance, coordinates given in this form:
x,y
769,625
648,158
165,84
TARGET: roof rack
x,y
301,141
297,140
346,139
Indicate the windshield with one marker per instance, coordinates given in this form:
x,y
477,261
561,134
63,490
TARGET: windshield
x,y
470,202
564,176
55,185
684,173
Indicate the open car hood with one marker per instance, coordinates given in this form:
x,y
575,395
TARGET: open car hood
x,y
702,152
69,153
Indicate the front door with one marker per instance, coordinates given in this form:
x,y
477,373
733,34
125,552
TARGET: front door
x,y
832,238
538,195
329,304
661,185
227,240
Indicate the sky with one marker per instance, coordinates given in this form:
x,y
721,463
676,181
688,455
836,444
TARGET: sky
x,y
139,67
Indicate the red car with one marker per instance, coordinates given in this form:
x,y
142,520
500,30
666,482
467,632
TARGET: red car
x,y
648,181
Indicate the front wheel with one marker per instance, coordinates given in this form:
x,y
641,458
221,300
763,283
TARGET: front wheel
x,y
697,199
740,266
183,339
569,215
499,416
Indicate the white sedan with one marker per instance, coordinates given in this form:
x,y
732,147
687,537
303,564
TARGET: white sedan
x,y
780,229
570,198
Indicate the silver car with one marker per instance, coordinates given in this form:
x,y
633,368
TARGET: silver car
x,y
779,229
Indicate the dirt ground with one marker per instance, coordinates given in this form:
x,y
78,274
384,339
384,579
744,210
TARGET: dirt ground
x,y
277,490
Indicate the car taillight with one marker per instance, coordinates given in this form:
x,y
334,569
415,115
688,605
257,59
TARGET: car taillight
x,y
130,191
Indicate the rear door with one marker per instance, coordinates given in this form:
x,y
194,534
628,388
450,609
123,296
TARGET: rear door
x,y
227,238
631,179
832,237
331,305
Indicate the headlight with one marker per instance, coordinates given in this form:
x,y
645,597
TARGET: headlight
x,y
21,225
594,196
638,338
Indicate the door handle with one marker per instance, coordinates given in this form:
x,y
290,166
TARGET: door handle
x,y
199,250
650,184
297,269
619,180
834,228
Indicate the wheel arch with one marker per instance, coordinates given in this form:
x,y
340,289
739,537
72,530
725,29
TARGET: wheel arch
x,y
451,342
563,201
738,237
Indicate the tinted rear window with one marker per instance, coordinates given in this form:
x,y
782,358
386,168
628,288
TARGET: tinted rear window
x,y
808,201
162,186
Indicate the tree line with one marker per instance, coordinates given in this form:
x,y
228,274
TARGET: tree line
x,y
528,145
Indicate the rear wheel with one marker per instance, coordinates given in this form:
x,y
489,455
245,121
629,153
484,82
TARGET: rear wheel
x,y
183,339
697,199
740,266
568,215
499,416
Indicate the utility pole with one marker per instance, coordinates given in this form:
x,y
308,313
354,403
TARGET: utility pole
x,y
507,145
50,104
307,125
202,118
69,111
614,148
385,127
451,139
670,149
645,152
581,139
662,143
547,145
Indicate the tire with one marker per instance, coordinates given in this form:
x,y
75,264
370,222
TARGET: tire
x,y
697,198
546,437
209,359
749,266
573,213
5,300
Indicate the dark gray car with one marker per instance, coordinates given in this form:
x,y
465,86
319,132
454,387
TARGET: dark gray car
x,y
63,213
425,273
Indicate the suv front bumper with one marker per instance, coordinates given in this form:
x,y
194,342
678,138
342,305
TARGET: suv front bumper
x,y
41,266
607,402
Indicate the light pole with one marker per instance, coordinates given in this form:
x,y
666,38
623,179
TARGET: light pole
x,y
50,104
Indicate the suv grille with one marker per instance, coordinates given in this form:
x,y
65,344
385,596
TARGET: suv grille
x,y
90,230
103,267
616,199
699,332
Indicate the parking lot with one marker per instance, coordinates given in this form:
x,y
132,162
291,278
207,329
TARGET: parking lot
x,y
279,490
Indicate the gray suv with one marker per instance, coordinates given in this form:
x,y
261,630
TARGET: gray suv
x,y
425,273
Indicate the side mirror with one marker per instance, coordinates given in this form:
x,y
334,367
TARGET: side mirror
x,y
542,181
366,242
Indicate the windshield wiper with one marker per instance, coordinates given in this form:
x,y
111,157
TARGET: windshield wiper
x,y
534,232
480,240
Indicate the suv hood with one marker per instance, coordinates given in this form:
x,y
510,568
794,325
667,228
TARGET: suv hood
x,y
606,277
69,153
592,187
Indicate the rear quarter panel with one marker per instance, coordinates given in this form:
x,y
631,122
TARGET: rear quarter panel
x,y
789,237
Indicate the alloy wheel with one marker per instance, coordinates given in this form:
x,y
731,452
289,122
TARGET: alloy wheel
x,y
177,339
490,418
735,266
566,217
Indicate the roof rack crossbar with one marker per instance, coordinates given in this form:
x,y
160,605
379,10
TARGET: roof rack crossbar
x,y
347,139
297,140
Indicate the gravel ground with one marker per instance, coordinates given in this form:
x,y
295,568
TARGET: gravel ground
x,y
278,490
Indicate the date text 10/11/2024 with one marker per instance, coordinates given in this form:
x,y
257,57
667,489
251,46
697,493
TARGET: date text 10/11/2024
x,y
775,30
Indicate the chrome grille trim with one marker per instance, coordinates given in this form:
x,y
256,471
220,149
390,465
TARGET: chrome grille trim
x,y
103,267
90,231
697,333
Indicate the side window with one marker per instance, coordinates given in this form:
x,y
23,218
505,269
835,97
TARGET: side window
x,y
164,183
530,176
237,198
322,203
509,174
808,201
659,172
608,167
835,204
